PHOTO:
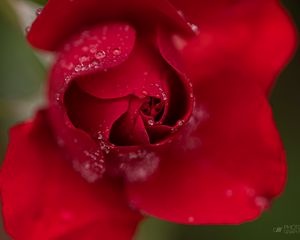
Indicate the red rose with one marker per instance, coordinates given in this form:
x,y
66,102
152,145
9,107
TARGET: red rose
x,y
162,110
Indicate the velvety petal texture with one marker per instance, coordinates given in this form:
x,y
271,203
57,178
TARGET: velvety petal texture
x,y
44,198
253,37
224,167
49,32
160,105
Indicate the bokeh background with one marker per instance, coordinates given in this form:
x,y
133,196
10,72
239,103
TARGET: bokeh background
x,y
22,80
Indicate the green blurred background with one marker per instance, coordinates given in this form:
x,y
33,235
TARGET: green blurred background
x,y
22,78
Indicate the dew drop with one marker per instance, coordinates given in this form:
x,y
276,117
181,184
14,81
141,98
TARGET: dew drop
x,y
191,219
180,13
57,97
100,136
38,11
143,165
83,59
144,92
78,68
180,122
100,55
27,29
67,79
261,202
150,122
194,28
164,96
117,51
93,49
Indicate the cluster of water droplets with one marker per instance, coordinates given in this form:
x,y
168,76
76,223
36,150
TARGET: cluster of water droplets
x,y
198,117
38,12
93,52
259,201
93,167
138,165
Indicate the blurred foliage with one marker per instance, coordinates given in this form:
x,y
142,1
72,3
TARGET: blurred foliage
x,y
21,74
41,2
22,78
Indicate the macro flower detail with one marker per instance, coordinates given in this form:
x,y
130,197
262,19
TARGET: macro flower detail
x,y
154,107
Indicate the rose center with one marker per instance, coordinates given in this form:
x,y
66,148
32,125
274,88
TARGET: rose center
x,y
152,110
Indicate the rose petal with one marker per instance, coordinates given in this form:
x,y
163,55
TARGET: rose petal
x,y
62,18
251,37
142,74
44,198
93,115
83,55
224,166
129,129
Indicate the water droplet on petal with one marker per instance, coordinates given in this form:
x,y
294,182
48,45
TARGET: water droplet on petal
x,y
100,55
27,29
141,166
150,122
117,51
144,92
194,28
180,123
180,13
261,202
38,11
84,59
191,219
164,96
78,68
100,136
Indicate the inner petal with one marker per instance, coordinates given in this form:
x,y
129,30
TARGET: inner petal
x,y
91,114
152,110
142,74
129,128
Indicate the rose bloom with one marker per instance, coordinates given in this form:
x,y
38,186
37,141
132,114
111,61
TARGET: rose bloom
x,y
154,108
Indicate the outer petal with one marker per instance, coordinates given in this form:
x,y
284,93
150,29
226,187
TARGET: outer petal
x,y
62,18
224,167
44,198
254,37
89,52
143,73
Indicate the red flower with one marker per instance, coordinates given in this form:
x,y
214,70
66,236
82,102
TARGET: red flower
x,y
162,110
